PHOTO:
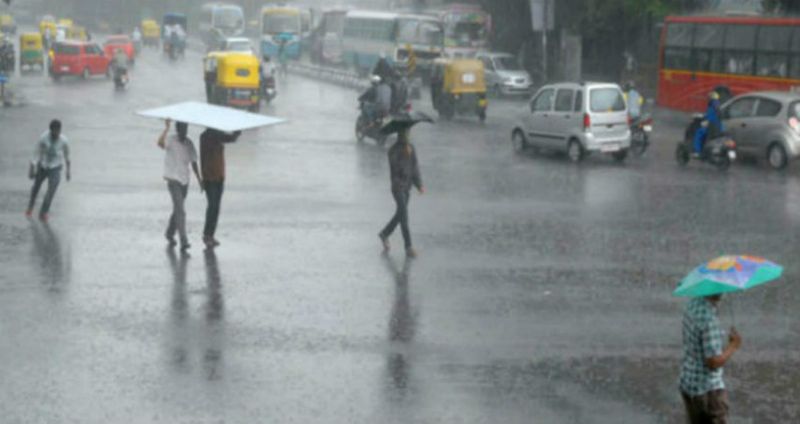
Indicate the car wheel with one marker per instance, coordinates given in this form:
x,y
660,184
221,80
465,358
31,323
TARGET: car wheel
x,y
575,151
85,74
723,163
776,156
518,141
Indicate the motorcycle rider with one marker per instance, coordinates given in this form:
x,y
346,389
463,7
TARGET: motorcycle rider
x,y
634,101
120,66
377,100
136,36
266,71
711,126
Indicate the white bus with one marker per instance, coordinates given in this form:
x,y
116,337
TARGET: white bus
x,y
370,35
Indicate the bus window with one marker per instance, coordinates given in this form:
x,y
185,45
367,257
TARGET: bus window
x,y
740,43
708,40
771,56
679,35
677,58
794,66
677,53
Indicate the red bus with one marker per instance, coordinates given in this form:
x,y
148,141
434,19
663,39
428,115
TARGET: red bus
x,y
732,55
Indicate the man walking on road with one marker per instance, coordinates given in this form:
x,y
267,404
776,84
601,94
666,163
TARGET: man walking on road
x,y
404,174
212,161
180,153
701,385
52,152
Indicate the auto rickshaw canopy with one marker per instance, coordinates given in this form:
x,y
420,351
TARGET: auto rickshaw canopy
x,y
461,76
150,28
235,69
29,41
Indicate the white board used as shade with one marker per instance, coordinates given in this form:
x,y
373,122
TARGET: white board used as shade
x,y
211,116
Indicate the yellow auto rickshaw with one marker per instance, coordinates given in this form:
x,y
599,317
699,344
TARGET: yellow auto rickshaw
x,y
31,51
7,24
237,79
458,86
79,33
151,32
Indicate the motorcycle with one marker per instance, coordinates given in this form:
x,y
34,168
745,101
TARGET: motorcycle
x,y
121,78
367,126
640,134
719,151
268,89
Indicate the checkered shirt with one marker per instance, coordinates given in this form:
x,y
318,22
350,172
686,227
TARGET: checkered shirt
x,y
702,339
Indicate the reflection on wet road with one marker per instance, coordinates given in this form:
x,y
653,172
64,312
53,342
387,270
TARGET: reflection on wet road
x,y
542,291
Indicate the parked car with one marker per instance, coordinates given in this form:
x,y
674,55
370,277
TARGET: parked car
x,y
765,124
504,75
237,44
123,42
78,58
577,118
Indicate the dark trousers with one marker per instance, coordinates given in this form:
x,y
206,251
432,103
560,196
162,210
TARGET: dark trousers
x,y
53,177
177,221
708,408
401,198
214,197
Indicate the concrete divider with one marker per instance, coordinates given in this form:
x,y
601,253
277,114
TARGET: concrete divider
x,y
340,77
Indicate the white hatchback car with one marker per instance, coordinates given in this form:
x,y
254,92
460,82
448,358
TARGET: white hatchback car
x,y
577,118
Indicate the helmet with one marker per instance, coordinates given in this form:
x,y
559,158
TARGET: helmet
x,y
375,79
713,95
629,85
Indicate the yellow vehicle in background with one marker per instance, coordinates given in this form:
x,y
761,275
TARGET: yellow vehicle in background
x,y
79,33
48,22
7,24
31,50
458,86
67,22
151,32
237,79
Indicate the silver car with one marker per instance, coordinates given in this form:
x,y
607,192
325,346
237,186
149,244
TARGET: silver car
x,y
577,118
765,124
504,76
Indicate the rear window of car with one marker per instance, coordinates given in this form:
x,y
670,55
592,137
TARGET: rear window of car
x,y
794,110
606,100
66,50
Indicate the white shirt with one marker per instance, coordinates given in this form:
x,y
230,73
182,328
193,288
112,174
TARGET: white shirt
x,y
51,154
178,159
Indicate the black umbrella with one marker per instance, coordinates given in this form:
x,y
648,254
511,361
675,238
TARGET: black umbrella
x,y
405,121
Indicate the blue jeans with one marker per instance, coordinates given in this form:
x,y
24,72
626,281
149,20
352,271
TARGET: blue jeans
x,y
53,177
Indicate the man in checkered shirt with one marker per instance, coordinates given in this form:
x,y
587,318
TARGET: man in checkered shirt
x,y
701,384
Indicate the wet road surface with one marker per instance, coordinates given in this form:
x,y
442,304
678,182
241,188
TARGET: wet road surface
x,y
542,291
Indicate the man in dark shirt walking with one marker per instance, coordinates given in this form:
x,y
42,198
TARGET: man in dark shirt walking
x,y
212,163
404,174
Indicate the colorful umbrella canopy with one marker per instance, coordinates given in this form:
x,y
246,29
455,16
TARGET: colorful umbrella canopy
x,y
728,274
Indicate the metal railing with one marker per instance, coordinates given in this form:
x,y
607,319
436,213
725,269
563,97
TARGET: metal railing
x,y
336,76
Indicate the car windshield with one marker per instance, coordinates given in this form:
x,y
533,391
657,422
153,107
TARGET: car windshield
x,y
228,19
606,100
276,24
467,33
66,49
506,63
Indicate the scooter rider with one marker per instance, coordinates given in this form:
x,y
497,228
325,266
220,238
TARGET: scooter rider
x,y
634,101
377,99
711,126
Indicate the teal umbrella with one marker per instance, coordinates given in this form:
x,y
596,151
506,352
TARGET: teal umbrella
x,y
728,274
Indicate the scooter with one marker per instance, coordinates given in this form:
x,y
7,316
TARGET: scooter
x,y
121,78
719,151
368,127
268,89
640,135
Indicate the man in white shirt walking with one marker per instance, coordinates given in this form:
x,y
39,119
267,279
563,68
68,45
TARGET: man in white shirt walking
x,y
52,152
180,153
